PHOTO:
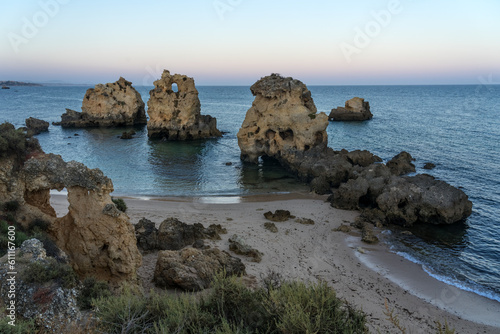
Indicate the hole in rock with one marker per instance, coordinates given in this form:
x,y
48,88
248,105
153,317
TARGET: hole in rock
x,y
59,201
175,88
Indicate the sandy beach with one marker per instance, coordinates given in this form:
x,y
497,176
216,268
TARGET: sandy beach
x,y
366,276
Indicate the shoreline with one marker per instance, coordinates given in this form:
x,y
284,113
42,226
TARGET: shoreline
x,y
315,252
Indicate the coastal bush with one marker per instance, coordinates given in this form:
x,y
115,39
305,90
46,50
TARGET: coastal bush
x,y
39,225
22,325
230,307
91,289
43,272
11,206
120,204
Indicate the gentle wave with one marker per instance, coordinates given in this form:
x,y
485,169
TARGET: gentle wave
x,y
478,290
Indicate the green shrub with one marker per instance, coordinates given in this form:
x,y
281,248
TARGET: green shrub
x,y
43,272
120,204
230,307
39,225
91,289
22,326
11,206
20,238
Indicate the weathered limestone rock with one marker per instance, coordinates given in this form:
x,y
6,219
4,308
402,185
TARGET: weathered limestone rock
x,y
176,115
146,234
356,109
174,234
238,245
96,236
283,120
193,269
282,124
50,305
112,104
278,215
403,200
36,126
401,164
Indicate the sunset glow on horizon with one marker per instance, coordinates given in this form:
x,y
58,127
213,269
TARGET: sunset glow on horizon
x,y
236,42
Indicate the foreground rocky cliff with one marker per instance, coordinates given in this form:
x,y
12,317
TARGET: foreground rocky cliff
x,y
176,115
97,237
112,104
282,124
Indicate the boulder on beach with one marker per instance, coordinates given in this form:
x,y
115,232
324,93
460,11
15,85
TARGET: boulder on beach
x,y
112,104
193,269
356,109
176,115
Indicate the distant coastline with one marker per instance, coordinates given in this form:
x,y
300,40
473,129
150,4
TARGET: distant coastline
x,y
9,83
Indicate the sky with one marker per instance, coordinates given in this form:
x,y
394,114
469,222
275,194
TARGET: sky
x,y
236,42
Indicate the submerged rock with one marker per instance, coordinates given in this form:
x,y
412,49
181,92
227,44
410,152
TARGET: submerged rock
x,y
112,104
193,269
37,126
175,115
356,109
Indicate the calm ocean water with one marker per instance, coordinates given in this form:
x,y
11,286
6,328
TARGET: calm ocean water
x,y
455,127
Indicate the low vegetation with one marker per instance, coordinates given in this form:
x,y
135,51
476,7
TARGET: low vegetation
x,y
50,270
230,307
120,204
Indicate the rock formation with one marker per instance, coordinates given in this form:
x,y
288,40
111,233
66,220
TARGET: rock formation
x,y
282,124
356,109
97,237
238,245
282,121
175,115
174,234
37,126
112,104
193,269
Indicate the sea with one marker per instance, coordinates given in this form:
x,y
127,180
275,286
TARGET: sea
x,y
456,127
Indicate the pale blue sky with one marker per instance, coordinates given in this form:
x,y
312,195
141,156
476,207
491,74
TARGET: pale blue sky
x,y
239,41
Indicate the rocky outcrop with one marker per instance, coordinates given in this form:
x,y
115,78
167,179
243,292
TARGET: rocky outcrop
x,y
238,245
112,104
176,115
401,164
98,238
282,124
403,200
52,304
278,215
146,234
356,109
36,126
283,120
193,269
174,234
